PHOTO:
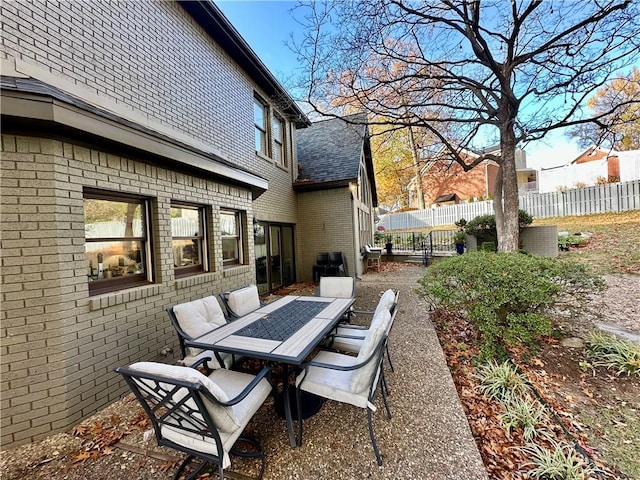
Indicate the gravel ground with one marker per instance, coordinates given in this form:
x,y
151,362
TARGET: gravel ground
x,y
427,438
621,302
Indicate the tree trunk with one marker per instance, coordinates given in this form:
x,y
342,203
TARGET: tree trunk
x,y
416,170
497,205
508,237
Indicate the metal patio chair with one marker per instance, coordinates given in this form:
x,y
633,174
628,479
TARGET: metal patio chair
x,y
349,338
202,416
347,379
241,301
338,287
193,319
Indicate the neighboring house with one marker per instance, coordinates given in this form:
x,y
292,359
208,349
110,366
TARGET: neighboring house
x,y
446,183
592,166
148,155
629,165
336,191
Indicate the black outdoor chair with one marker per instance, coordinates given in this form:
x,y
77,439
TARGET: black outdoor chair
x,y
337,266
320,268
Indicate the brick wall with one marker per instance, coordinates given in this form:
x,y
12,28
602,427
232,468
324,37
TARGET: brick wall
x,y
443,179
148,62
59,345
150,56
325,225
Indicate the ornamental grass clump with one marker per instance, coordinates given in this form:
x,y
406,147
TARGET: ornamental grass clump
x,y
561,463
509,297
525,413
611,352
500,381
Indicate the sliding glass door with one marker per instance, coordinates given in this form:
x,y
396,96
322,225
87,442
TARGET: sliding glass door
x,y
275,256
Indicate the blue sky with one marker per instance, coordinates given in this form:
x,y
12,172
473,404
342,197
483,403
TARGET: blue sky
x,y
267,26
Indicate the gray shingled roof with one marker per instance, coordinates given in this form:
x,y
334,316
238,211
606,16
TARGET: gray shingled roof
x,y
329,151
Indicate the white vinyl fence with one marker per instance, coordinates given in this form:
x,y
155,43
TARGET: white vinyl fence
x,y
611,197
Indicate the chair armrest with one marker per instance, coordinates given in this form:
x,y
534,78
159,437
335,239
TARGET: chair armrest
x,y
247,390
200,362
345,368
353,327
330,366
342,335
363,312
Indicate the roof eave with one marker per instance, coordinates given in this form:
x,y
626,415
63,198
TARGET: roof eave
x,y
213,21
47,115
302,186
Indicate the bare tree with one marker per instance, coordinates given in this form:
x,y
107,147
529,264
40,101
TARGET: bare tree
x,y
473,73
623,132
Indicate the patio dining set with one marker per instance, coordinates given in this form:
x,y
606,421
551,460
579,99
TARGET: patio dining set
x,y
202,406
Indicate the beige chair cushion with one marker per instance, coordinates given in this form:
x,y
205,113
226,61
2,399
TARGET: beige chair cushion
x,y
336,287
222,384
361,378
333,384
352,345
190,359
386,301
223,417
244,300
232,383
199,316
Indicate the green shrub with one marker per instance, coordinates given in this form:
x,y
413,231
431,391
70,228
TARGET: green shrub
x,y
508,296
486,224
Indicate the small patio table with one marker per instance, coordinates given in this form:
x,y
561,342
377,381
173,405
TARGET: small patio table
x,y
284,331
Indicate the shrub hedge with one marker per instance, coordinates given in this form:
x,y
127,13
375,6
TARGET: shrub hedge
x,y
508,296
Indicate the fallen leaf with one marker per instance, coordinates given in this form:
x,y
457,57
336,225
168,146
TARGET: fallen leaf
x,y
81,457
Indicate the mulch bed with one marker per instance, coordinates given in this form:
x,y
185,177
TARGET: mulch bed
x,y
556,378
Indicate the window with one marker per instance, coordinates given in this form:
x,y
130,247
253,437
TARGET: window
x,y
260,117
231,226
188,239
117,247
279,146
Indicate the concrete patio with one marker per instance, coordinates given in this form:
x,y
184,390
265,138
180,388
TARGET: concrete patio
x,y
427,438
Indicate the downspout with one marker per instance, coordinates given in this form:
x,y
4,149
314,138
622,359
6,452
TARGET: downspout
x,y
357,267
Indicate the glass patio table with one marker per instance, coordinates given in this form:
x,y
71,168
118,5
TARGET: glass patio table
x,y
284,331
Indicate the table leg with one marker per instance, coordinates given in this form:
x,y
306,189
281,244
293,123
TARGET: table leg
x,y
287,406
